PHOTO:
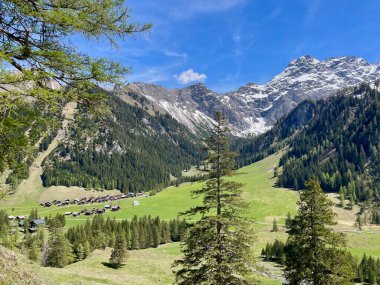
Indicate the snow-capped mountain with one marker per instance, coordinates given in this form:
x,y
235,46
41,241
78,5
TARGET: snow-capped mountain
x,y
253,109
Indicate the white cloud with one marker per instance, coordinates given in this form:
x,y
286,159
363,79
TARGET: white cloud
x,y
149,75
176,54
312,10
190,75
186,9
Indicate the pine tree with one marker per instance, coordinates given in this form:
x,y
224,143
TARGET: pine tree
x,y
79,252
275,172
341,197
288,220
275,225
33,252
314,253
60,252
217,248
86,248
119,253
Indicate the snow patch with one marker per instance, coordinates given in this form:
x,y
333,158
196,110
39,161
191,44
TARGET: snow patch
x,y
257,126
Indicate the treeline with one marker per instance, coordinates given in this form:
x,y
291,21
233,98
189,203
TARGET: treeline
x,y
130,150
367,270
139,233
64,247
336,140
340,147
274,252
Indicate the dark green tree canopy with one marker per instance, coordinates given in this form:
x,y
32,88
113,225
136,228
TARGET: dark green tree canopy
x,y
315,254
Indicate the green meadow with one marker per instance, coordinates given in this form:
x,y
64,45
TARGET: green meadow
x,y
153,266
266,201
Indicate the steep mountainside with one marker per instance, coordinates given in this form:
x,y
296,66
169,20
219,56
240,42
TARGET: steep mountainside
x,y
131,151
336,140
253,109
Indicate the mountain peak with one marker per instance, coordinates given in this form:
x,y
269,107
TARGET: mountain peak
x,y
254,108
347,59
304,60
197,88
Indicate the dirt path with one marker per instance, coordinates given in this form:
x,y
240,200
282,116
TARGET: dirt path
x,y
30,188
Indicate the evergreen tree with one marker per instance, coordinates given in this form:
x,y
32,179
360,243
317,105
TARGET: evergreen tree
x,y
60,252
217,248
342,197
79,252
315,254
275,225
288,220
86,248
33,252
119,253
275,172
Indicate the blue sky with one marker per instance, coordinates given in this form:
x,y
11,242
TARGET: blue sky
x,y
227,43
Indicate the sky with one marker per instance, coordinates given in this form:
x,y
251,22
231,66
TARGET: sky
x,y
228,43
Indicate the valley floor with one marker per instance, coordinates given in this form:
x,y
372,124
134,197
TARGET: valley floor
x,y
153,266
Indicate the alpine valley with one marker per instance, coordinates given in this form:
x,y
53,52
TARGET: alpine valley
x,y
189,142
316,119
153,135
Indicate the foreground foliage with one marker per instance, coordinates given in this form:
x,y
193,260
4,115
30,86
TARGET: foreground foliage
x,y
40,64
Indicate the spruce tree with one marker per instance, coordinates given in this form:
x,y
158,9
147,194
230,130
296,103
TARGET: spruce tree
x,y
275,225
119,253
315,254
33,252
79,252
288,220
217,248
60,252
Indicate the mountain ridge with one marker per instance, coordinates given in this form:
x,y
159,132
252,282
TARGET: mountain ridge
x,y
253,109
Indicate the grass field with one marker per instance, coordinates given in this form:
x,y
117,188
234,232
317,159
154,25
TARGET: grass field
x,y
266,202
143,267
153,266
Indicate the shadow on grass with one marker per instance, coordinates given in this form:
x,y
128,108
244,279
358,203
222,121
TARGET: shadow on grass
x,y
109,265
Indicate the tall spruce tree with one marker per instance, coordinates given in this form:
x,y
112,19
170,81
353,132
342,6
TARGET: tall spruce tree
x,y
119,253
217,248
315,254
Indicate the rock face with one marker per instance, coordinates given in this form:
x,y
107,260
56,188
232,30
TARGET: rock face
x,y
253,109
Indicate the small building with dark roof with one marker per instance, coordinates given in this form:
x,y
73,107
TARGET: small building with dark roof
x,y
37,222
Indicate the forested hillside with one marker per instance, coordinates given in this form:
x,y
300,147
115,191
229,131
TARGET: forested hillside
x,y
336,140
33,134
130,150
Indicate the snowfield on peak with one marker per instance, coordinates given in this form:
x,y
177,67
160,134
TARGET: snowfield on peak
x,y
253,108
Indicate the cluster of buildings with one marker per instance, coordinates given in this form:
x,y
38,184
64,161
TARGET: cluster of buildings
x,y
92,200
89,212
21,220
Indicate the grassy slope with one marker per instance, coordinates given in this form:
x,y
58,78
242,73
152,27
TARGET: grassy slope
x,y
265,201
149,266
143,267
